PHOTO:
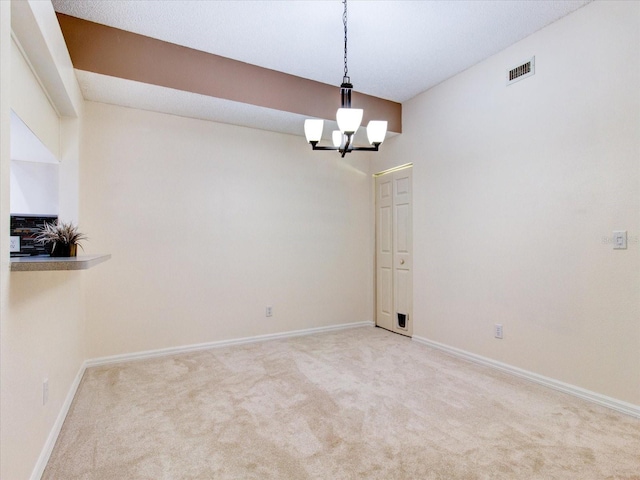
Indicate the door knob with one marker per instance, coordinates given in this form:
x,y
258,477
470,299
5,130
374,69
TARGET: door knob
x,y
402,261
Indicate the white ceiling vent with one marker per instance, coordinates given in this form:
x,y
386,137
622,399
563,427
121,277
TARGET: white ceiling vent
x,y
522,71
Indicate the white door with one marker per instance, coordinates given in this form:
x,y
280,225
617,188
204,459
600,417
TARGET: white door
x,y
394,280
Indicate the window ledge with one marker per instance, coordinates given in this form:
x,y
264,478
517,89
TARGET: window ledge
x,y
43,263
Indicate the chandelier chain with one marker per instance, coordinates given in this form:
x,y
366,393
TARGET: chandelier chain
x,y
344,21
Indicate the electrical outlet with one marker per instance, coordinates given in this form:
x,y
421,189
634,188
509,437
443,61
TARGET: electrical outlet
x,y
620,240
268,312
497,330
45,391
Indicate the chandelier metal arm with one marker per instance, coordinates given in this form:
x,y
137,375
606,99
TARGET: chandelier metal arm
x,y
347,142
344,150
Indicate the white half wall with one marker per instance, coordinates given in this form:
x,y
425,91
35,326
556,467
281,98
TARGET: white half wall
x,y
208,224
517,192
31,103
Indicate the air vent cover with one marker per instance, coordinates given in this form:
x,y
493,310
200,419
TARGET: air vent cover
x,y
522,71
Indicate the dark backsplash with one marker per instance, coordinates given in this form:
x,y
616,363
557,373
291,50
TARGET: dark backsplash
x,y
26,227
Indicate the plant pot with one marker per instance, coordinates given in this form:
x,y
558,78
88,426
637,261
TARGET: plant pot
x,y
64,250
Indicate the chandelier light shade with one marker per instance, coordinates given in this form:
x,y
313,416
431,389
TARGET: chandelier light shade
x,y
376,131
337,137
348,119
313,130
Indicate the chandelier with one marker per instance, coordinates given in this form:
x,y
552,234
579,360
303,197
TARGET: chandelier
x,y
348,118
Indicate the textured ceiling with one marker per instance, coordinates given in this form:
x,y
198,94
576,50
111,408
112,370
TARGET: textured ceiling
x,y
397,49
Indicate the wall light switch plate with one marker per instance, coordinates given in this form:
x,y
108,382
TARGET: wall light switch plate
x,y
620,240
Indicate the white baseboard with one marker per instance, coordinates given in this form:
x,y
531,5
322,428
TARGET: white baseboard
x,y
55,431
603,400
127,357
43,459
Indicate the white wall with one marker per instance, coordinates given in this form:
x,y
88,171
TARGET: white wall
x,y
208,224
42,329
516,191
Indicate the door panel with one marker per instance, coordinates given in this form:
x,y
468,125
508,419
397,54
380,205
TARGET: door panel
x,y
402,186
384,253
401,229
386,291
386,230
402,296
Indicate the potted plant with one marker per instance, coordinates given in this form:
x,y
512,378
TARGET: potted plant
x,y
61,239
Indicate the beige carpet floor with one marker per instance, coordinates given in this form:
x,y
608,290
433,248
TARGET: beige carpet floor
x,y
353,404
